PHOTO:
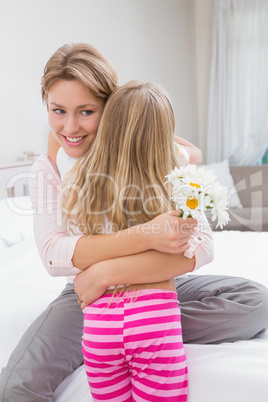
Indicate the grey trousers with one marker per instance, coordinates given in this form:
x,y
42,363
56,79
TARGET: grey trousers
x,y
214,309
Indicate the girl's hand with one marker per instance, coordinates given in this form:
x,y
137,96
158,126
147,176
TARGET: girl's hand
x,y
168,233
90,285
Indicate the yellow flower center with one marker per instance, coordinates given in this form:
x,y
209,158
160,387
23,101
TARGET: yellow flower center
x,y
195,185
192,202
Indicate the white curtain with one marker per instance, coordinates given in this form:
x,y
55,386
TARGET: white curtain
x,y
238,104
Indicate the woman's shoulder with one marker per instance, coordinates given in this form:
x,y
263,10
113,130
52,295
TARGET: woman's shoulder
x,y
45,164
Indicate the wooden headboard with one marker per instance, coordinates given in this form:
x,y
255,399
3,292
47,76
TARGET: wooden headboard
x,y
14,179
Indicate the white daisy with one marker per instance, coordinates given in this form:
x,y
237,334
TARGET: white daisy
x,y
195,190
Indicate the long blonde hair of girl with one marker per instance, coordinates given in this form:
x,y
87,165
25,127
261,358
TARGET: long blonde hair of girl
x,y
120,182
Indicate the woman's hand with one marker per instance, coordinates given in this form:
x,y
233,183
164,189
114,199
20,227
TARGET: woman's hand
x,y
90,284
195,154
168,233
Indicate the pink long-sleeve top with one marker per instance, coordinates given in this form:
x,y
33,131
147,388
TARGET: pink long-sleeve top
x,y
56,244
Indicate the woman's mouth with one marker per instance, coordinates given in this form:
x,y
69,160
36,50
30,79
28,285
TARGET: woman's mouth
x,y
73,141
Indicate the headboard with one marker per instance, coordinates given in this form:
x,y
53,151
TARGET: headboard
x,y
14,179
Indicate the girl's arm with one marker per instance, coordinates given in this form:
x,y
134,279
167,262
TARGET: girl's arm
x,y
195,154
147,267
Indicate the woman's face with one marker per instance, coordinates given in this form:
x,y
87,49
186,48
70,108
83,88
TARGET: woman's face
x,y
74,115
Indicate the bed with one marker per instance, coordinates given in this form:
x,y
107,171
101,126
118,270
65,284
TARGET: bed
x,y
234,372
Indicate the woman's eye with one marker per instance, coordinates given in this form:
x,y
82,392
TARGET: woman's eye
x,y
58,111
87,112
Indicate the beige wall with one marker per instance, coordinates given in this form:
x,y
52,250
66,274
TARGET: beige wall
x,y
165,41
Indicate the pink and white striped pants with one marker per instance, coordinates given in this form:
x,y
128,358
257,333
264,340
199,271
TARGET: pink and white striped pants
x,y
133,348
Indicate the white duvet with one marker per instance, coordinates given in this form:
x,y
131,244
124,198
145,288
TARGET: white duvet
x,y
229,372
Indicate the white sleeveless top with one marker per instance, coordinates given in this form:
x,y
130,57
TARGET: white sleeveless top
x,y
64,162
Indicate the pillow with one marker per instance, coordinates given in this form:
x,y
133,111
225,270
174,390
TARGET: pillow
x,y
16,220
224,177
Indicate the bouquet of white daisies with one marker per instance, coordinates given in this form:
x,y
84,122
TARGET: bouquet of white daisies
x,y
195,190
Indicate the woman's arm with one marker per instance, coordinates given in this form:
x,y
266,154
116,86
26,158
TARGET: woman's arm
x,y
195,154
166,233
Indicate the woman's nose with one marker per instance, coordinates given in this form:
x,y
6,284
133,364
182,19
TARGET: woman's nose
x,y
71,125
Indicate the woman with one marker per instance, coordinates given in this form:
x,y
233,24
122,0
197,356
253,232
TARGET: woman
x,y
34,371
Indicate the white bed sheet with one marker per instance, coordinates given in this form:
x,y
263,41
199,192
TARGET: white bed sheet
x,y
233,372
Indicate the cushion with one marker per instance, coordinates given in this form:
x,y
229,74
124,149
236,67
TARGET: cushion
x,y
246,219
224,177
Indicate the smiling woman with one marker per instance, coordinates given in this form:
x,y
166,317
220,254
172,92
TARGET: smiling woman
x,y
75,90
74,115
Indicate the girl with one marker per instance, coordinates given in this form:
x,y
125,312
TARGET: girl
x,y
132,343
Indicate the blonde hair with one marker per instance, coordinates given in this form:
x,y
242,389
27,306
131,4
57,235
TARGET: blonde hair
x,y
121,178
80,62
